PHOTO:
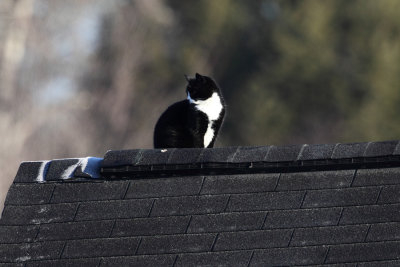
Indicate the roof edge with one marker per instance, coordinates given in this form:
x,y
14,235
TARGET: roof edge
x,y
199,161
157,171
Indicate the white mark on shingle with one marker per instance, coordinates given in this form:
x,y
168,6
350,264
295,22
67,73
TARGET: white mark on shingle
x,y
24,258
69,172
89,165
25,246
42,171
43,209
164,150
40,221
301,151
35,221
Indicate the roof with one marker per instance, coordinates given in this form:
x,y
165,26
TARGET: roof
x,y
235,206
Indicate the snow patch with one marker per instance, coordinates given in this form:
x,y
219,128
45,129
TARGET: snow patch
x,y
69,172
42,171
89,165
92,166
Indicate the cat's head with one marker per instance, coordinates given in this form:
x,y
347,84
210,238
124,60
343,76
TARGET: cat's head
x,y
201,87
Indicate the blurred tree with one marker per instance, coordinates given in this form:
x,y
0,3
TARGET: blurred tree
x,y
291,71
130,75
379,36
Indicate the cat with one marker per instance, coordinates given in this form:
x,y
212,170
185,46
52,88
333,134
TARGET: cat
x,y
195,121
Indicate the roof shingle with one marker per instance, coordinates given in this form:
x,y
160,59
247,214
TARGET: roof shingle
x,y
238,206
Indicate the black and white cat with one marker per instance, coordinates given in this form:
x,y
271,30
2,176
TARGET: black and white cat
x,y
195,121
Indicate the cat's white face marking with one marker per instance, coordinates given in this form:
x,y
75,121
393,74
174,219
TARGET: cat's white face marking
x,y
212,107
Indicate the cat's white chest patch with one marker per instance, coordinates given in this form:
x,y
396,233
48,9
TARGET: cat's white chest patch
x,y
212,107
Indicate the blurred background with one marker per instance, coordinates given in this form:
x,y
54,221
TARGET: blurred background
x,y
78,78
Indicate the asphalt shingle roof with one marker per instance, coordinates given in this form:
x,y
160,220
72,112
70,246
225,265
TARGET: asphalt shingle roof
x,y
237,206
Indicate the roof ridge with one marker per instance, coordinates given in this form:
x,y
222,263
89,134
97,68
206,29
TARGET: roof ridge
x,y
199,161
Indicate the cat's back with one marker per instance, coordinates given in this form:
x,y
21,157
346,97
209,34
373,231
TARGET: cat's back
x,y
171,127
176,113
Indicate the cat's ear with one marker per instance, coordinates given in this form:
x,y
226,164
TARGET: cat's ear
x,y
200,78
186,77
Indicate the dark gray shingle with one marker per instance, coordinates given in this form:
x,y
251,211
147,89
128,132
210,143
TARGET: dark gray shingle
x,y
283,153
189,205
253,239
185,156
77,192
226,222
75,230
30,251
371,177
28,172
371,214
18,234
353,150
65,263
384,232
154,156
243,154
215,155
228,184
38,214
176,243
302,218
101,247
375,149
236,258
315,180
341,197
389,194
115,209
153,260
151,226
364,252
329,235
265,201
228,258
26,194
289,256
179,186
316,152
